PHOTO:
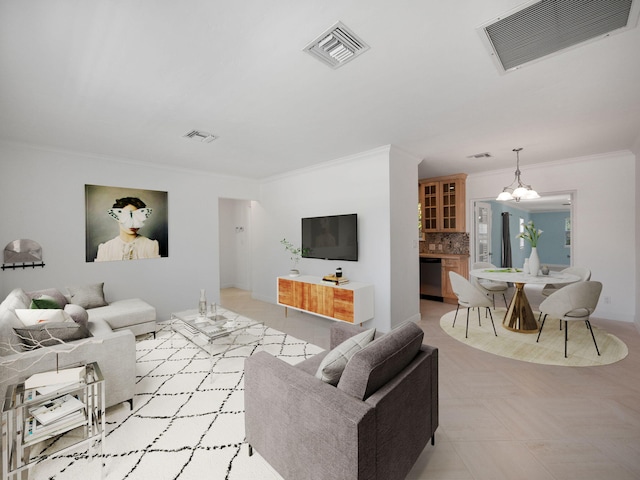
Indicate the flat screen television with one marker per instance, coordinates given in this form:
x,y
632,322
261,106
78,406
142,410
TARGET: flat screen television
x,y
333,237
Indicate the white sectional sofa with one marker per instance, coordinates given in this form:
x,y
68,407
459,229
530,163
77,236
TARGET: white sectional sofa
x,y
111,342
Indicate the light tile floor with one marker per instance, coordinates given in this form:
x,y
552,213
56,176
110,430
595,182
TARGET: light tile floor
x,y
503,419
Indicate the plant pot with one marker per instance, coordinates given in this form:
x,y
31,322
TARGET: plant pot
x,y
294,272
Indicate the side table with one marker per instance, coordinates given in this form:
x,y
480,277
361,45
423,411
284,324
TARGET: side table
x,y
19,433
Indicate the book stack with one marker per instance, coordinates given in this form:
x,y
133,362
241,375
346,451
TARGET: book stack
x,y
333,280
53,417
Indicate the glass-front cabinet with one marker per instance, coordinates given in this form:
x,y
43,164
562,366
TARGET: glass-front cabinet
x,y
442,203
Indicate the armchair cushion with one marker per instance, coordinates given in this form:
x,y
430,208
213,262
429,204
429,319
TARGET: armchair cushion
x,y
381,360
332,366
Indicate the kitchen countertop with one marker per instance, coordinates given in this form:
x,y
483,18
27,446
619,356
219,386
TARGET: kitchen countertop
x,y
444,255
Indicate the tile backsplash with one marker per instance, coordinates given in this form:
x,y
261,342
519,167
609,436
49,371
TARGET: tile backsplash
x,y
451,243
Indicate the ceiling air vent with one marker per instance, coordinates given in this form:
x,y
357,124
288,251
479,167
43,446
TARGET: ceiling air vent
x,y
336,46
480,155
200,136
538,29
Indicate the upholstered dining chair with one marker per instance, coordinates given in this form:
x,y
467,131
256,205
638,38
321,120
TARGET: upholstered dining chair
x,y
470,297
489,287
575,302
582,272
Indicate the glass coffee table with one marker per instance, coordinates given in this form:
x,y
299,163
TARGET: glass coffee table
x,y
217,334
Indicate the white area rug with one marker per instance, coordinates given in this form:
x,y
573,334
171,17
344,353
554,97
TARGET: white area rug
x,y
522,346
183,425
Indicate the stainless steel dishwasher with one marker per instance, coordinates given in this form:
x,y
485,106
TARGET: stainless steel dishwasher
x,y
431,278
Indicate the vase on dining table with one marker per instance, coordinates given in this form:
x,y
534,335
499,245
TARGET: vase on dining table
x,y
534,262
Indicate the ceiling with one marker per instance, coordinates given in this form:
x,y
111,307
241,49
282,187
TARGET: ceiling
x,y
129,79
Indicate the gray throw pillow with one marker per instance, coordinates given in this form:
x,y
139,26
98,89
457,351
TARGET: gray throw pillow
x,y
78,313
332,366
88,296
48,334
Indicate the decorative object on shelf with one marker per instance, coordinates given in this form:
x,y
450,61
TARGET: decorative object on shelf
x,y
531,234
296,254
22,253
338,272
519,191
544,270
202,304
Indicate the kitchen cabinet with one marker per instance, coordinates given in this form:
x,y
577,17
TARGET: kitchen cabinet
x,y
460,265
442,201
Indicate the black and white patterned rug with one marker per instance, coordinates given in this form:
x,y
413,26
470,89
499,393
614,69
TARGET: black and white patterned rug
x,y
186,423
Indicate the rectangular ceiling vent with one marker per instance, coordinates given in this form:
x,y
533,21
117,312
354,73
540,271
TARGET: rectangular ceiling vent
x,y
336,46
480,155
541,28
200,136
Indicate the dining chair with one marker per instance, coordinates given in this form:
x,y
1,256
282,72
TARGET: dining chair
x,y
575,302
582,272
470,297
489,287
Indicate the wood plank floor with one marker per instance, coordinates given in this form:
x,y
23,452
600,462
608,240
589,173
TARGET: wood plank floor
x,y
503,419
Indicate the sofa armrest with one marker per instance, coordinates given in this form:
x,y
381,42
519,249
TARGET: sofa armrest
x,y
305,428
114,352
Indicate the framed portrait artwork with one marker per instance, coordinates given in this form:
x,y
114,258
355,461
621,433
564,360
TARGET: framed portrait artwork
x,y
125,224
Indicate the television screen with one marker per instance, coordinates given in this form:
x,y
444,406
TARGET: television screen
x,y
333,237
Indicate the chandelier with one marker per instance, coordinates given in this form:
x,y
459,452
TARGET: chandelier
x,y
519,191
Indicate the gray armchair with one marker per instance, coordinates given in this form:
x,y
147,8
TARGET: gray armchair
x,y
373,425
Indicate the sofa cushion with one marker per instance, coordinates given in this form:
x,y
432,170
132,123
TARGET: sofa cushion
x,y
50,333
49,293
381,360
77,313
88,296
17,298
125,313
30,316
332,366
45,301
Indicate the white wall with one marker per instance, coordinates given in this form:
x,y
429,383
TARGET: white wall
x,y
235,246
405,259
358,184
604,218
42,194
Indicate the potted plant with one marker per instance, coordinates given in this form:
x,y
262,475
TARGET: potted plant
x,y
532,235
296,254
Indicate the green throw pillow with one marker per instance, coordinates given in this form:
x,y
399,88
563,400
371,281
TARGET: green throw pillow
x,y
44,302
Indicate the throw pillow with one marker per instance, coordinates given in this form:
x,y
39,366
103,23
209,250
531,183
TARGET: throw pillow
x,y
44,301
30,316
332,366
48,334
88,296
77,313
49,292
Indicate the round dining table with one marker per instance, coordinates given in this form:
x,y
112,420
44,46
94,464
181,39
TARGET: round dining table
x,y
519,316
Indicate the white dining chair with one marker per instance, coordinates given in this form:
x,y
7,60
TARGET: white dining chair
x,y
575,302
489,287
582,272
469,297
